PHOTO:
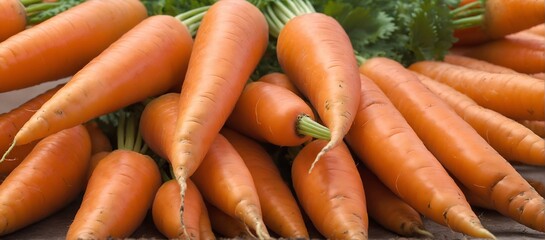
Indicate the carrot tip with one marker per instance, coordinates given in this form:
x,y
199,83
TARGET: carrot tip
x,y
423,232
181,177
8,151
331,144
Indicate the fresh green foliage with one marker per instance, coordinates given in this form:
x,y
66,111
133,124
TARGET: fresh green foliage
x,y
39,12
173,7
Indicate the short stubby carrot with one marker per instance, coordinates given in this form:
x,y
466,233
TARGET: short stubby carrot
x,y
514,95
230,42
316,54
385,142
63,44
332,195
512,140
234,194
12,18
49,178
164,46
463,152
281,212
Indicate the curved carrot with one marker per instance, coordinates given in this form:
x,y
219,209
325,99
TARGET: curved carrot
x,y
165,210
282,80
407,167
537,126
316,54
234,194
465,154
164,46
62,45
225,225
273,114
332,194
280,210
388,209
157,123
229,44
48,179
12,18
513,95
511,139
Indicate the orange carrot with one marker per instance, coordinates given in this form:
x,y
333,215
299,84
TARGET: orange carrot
x,y
273,114
157,123
48,179
521,52
12,18
316,54
225,225
164,46
332,194
384,141
84,31
538,29
282,80
465,154
513,95
234,194
388,209
229,44
538,127
476,64
511,139
99,141
165,210
205,225
120,191
280,210
540,75
15,157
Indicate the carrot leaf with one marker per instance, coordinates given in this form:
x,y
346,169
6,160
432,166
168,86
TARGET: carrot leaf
x,y
41,11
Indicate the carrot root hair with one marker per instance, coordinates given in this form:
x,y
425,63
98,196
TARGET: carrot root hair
x,y
8,151
181,177
333,142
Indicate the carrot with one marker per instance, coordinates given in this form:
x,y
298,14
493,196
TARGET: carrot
x,y
12,18
164,46
537,126
465,154
521,52
205,225
513,95
157,123
48,179
538,29
120,191
84,30
280,210
230,42
282,80
15,157
537,185
165,210
234,194
385,142
317,56
99,141
497,18
225,225
332,195
540,75
273,114
511,139
388,209
476,64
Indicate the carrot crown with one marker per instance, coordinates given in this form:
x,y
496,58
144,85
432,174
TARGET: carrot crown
x,y
128,135
278,13
192,18
38,11
468,15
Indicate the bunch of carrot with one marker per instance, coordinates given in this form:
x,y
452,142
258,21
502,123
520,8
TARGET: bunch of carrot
x,y
317,147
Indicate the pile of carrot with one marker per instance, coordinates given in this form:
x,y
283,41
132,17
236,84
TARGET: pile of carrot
x,y
164,116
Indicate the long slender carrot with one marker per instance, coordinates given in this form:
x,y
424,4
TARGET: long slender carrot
x,y
280,210
511,139
48,179
273,114
229,44
280,79
384,141
164,46
316,54
62,45
537,126
465,154
388,209
234,194
332,194
12,18
120,191
513,95
476,64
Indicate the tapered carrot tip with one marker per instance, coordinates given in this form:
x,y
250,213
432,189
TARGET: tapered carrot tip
x,y
330,145
181,177
423,232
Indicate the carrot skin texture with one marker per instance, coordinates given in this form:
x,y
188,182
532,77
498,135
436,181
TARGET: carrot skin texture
x,y
157,123
165,210
164,46
236,195
462,151
501,16
281,212
538,127
223,224
269,113
48,179
99,141
117,198
280,79
62,45
316,54
419,179
12,18
511,139
332,194
15,157
205,226
476,64
514,95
